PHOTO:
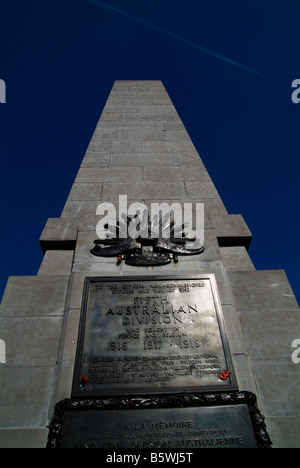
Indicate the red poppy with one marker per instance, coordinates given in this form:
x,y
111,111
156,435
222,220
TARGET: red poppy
x,y
224,375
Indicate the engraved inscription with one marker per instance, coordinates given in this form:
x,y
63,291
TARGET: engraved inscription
x,y
155,369
152,335
214,427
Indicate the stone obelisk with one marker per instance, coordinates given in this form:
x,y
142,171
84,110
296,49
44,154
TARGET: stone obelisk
x,y
141,149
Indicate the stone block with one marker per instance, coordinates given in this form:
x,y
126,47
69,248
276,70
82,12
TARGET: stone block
x,y
173,126
116,102
236,258
187,158
70,334
150,134
158,191
166,113
132,134
96,160
71,210
144,135
175,174
185,147
234,330
56,262
88,221
74,300
264,301
23,438
86,217
140,191
85,191
147,117
163,100
84,244
155,147
278,383
130,119
284,432
107,267
110,116
128,122
231,230
261,290
138,101
212,207
211,249
107,174
244,375
34,296
115,146
151,126
111,190
59,233
63,383
59,229
104,134
177,135
31,341
270,333
25,396
142,159
201,190
260,281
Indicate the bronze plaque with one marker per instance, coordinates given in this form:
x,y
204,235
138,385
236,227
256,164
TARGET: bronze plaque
x,y
151,335
176,428
177,421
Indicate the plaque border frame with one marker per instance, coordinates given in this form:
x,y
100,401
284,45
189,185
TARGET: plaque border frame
x,y
76,390
194,400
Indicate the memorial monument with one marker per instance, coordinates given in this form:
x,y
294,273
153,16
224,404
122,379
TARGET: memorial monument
x,y
178,332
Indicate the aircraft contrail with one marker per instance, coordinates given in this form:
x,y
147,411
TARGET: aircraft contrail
x,y
174,36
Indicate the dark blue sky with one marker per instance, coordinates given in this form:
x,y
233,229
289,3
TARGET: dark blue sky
x,y
228,68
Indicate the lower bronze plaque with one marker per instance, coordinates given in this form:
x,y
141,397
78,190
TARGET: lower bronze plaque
x,y
151,335
179,421
181,428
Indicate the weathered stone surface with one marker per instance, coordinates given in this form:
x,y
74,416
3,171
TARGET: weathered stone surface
x,y
96,159
145,190
232,229
59,233
85,191
157,191
163,160
71,210
264,328
34,296
188,157
115,147
31,340
236,258
260,290
245,375
285,431
25,396
278,382
106,174
201,190
56,262
23,439
176,174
